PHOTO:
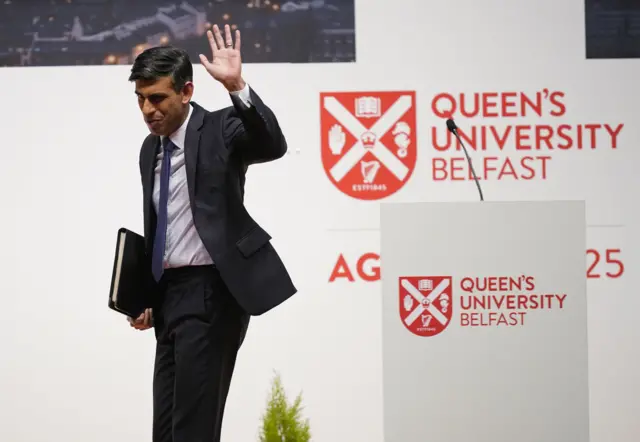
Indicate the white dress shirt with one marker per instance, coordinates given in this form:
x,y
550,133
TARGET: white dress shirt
x,y
183,245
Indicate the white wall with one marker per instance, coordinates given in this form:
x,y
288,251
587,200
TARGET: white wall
x,y
74,370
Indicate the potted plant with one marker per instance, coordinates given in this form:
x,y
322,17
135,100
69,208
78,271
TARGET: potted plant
x,y
281,421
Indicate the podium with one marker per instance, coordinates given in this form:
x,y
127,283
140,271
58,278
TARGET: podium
x,y
484,322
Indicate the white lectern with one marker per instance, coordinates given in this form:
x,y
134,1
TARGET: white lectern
x,y
484,322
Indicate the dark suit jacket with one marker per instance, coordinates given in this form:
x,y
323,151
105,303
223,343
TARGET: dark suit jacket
x,y
219,147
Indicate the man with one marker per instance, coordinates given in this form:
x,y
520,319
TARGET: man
x,y
212,264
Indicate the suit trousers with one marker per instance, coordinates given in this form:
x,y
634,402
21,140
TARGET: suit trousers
x,y
199,329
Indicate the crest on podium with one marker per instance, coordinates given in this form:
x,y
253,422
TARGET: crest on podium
x,y
425,304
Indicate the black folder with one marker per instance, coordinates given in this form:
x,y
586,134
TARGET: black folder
x,y
131,275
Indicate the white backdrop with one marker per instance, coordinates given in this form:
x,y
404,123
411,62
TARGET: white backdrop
x,y
74,370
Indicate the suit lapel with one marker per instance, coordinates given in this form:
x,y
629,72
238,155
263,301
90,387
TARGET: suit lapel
x,y
191,147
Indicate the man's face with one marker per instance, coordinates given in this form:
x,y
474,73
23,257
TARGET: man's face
x,y
162,107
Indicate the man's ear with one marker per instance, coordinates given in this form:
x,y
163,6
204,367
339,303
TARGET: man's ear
x,y
187,92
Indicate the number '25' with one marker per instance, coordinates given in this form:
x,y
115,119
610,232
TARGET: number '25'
x,y
610,264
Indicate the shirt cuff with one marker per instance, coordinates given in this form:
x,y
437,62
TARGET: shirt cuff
x,y
244,95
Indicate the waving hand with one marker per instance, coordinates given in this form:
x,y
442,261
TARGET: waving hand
x,y
226,64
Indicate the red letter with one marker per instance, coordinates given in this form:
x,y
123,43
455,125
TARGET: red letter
x,y
440,111
506,104
544,134
374,271
614,134
489,105
341,270
558,104
439,165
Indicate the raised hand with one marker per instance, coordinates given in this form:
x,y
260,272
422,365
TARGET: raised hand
x,y
225,65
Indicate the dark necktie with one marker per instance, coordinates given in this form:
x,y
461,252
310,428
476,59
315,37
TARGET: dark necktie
x,y
159,241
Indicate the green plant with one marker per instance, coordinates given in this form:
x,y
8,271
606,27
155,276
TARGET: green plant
x,y
282,422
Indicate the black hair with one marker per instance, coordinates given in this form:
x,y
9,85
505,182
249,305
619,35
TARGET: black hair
x,y
163,61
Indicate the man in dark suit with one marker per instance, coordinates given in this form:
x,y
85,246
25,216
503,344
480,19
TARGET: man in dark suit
x,y
212,264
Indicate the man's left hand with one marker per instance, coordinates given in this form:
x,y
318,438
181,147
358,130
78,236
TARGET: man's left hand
x,y
142,322
225,65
